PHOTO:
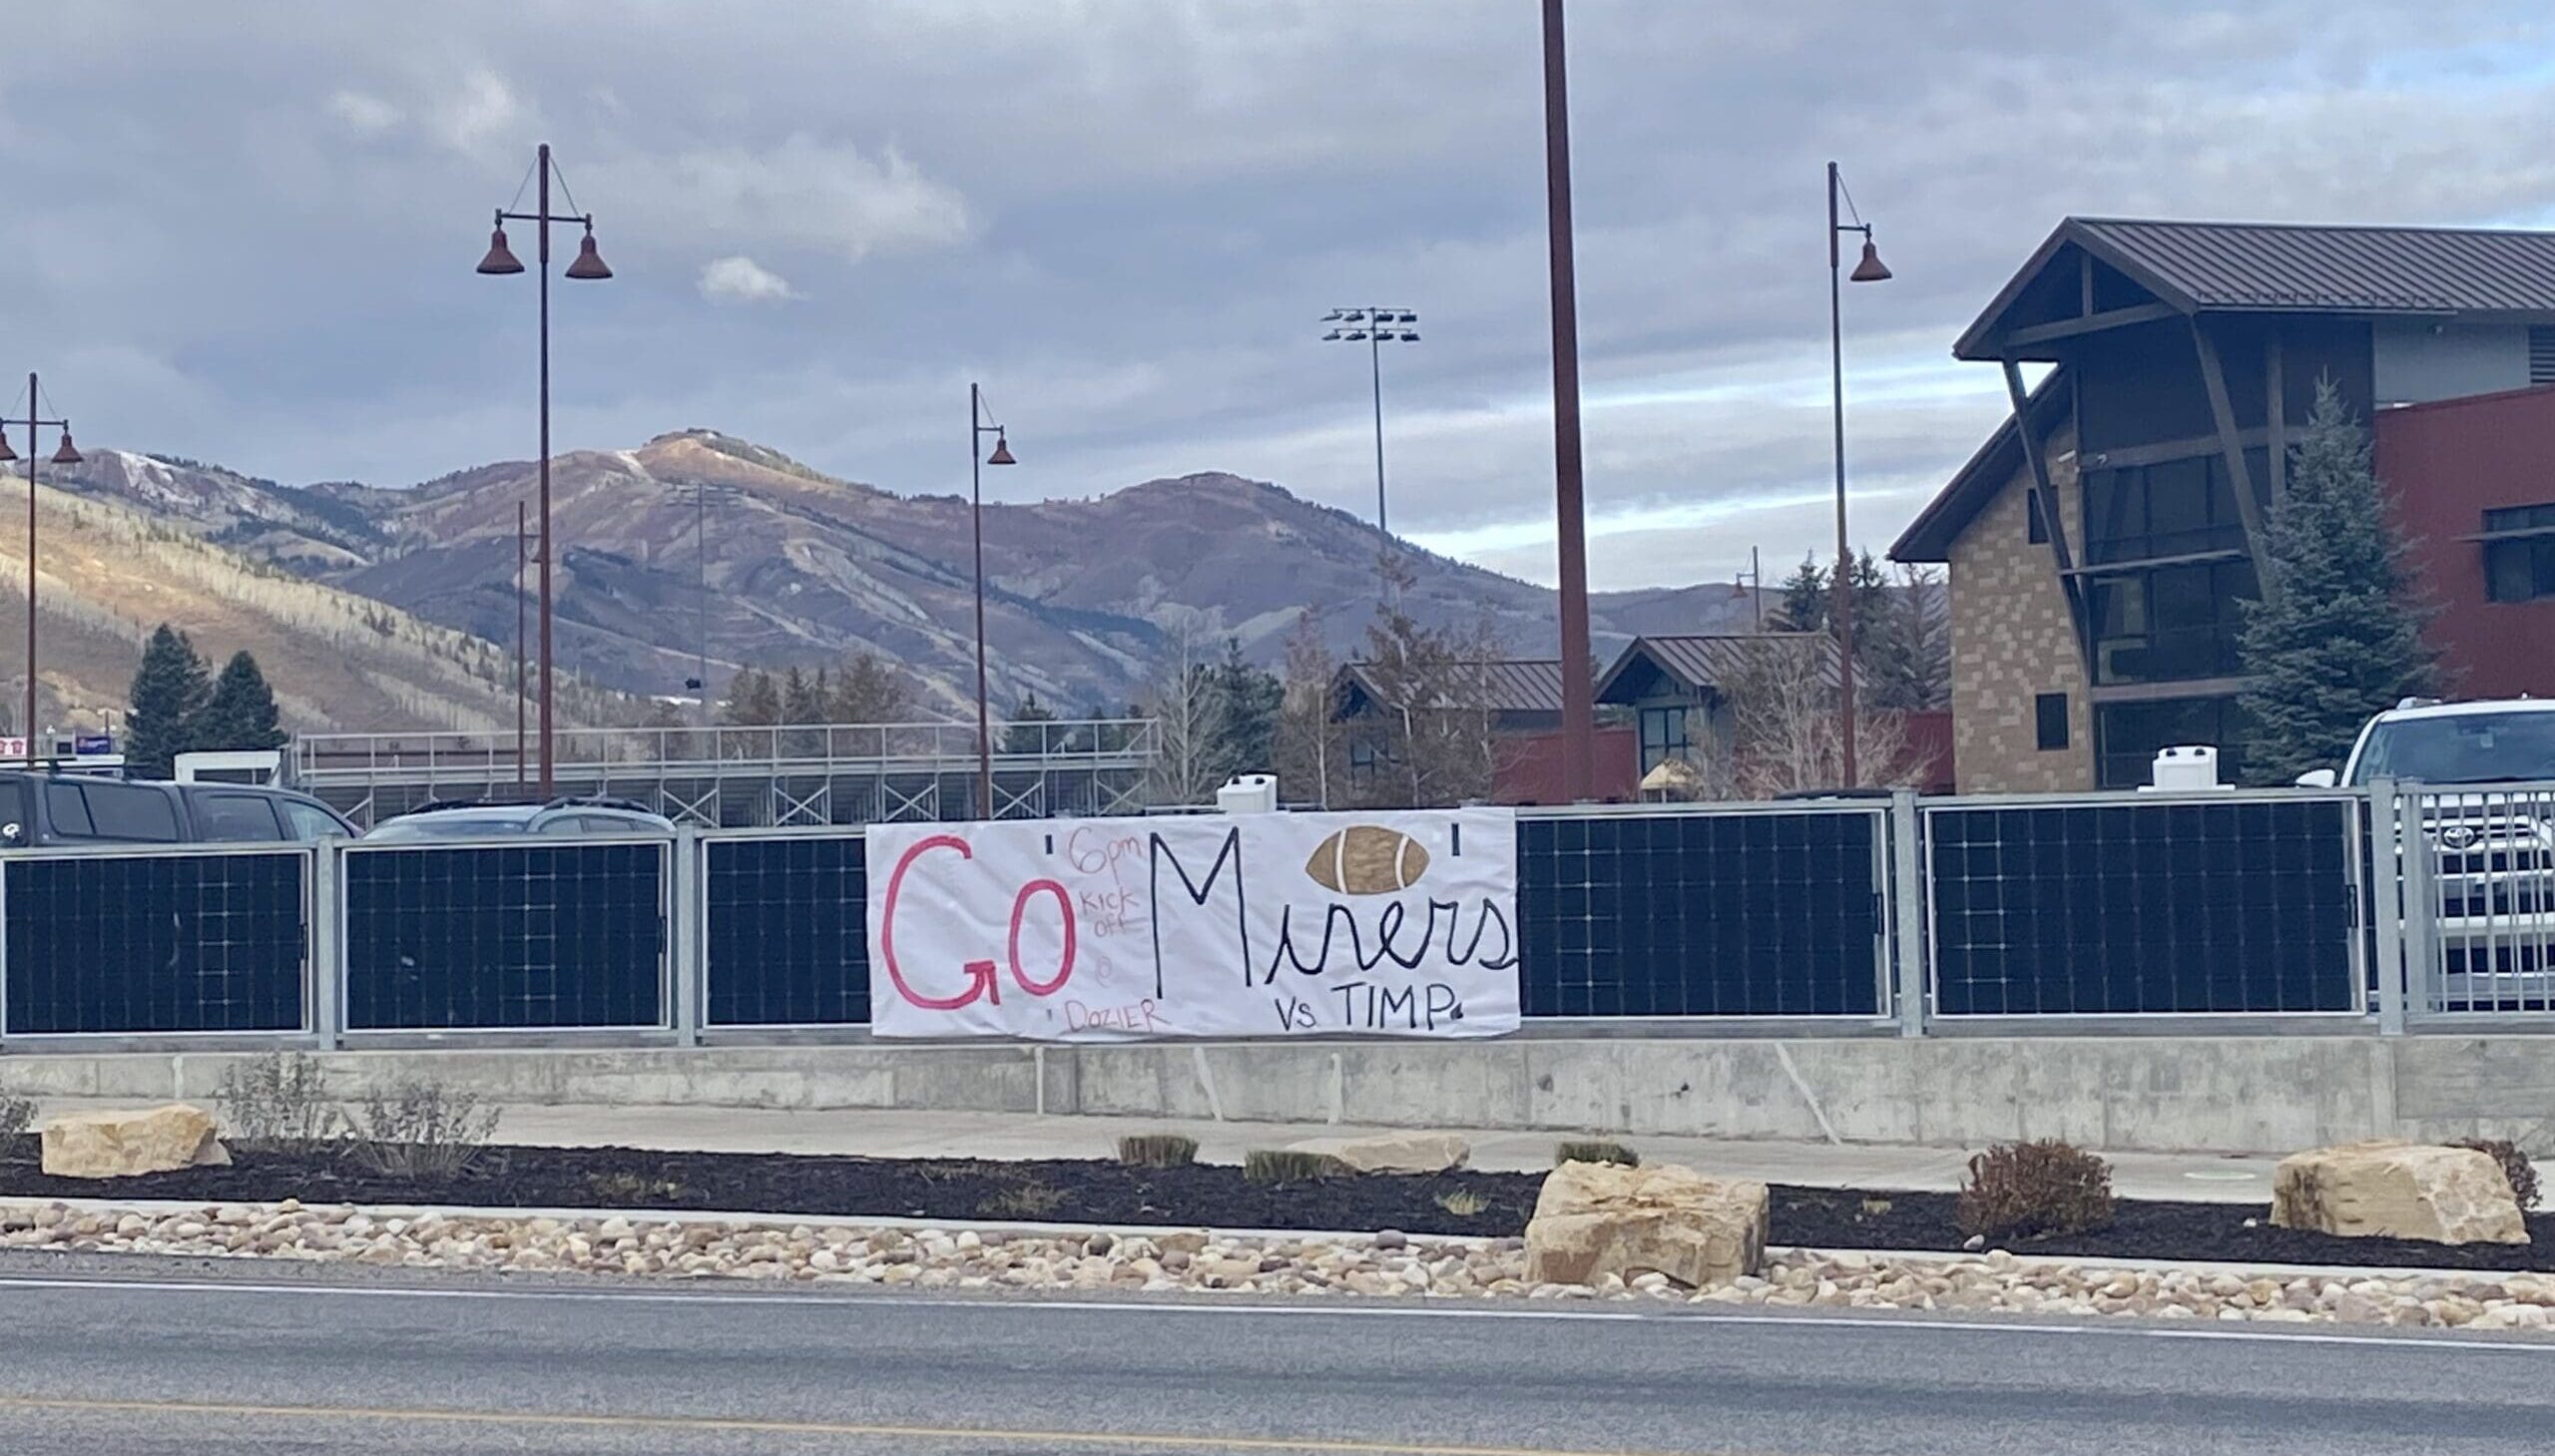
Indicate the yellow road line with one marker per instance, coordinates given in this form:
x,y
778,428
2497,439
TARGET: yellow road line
x,y
720,1425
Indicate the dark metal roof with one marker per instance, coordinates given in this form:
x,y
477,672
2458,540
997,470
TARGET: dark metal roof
x,y
1929,536
1513,685
2348,270
1700,661
2300,268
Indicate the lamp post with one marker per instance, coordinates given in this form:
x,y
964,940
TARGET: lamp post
x,y
1374,327
977,428
523,533
1577,684
63,454
588,264
1868,269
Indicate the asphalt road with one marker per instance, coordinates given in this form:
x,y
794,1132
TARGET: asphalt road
x,y
259,1361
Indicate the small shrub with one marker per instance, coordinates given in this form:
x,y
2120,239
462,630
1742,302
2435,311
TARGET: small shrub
x,y
1596,1151
1028,1198
1279,1165
2032,1190
624,1190
1158,1150
2517,1166
418,1130
1462,1203
275,1103
16,1115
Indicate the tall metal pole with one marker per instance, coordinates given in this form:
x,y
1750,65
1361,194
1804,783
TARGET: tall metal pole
x,y
701,552
1376,364
984,717
1843,589
29,726
1578,709
549,774
523,529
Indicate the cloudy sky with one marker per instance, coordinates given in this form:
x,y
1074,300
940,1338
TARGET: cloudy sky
x,y
245,231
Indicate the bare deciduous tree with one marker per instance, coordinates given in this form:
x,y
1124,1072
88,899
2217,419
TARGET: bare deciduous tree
x,y
1311,756
1436,708
1187,711
1785,728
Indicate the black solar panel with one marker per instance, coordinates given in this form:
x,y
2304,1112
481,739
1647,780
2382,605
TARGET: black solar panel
x,y
2242,906
156,943
566,935
787,931
1701,914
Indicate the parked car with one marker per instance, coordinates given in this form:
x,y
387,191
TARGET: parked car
x,y
476,819
2491,834
40,808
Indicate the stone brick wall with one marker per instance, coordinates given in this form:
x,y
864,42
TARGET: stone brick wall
x,y
2012,640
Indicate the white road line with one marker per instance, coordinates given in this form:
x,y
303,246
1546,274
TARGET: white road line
x,y
1689,1315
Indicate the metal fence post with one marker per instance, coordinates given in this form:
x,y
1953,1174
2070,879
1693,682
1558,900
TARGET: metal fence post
x,y
2418,873
685,938
1905,887
324,926
2387,893
4,955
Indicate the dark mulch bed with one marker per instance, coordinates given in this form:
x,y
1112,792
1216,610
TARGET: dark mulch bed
x,y
1214,1196
1076,1191
1848,1219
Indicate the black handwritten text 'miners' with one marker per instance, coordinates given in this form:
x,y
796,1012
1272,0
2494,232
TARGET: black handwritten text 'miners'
x,y
1332,935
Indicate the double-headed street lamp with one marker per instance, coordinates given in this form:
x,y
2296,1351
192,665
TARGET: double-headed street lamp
x,y
1868,269
979,426
589,264
1374,327
63,454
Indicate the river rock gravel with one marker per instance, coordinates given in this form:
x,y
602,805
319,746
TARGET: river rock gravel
x,y
1350,1266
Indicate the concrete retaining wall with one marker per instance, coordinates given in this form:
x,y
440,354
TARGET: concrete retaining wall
x,y
2237,1094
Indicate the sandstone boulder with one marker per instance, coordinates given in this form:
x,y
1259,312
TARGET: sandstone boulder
x,y
124,1143
1599,1219
2392,1189
1392,1151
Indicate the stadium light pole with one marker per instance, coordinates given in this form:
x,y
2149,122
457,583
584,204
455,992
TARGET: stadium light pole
x,y
1374,327
978,426
588,264
63,454
1577,684
1870,270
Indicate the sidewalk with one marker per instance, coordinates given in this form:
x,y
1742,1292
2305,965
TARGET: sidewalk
x,y
2195,1178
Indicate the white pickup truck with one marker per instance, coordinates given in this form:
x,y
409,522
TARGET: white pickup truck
x,y
2486,774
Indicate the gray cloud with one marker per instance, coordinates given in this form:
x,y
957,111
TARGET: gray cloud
x,y
1125,217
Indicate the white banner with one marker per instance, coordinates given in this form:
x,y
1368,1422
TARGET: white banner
x,y
1400,923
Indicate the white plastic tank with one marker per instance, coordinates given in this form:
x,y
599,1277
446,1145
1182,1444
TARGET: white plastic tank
x,y
2184,767
1248,793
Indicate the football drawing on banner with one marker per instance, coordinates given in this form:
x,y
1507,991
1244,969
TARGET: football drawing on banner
x,y
1399,923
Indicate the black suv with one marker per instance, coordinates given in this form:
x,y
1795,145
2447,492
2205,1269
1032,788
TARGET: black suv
x,y
38,809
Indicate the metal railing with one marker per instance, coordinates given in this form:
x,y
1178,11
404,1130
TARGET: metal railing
x,y
2392,908
2471,874
738,775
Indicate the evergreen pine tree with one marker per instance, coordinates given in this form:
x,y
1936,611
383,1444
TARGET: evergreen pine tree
x,y
168,688
2336,637
1251,702
1025,731
240,714
1805,604
753,698
798,698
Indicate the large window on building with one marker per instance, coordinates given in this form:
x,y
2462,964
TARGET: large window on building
x,y
1663,735
2127,736
2519,553
2172,508
2169,624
